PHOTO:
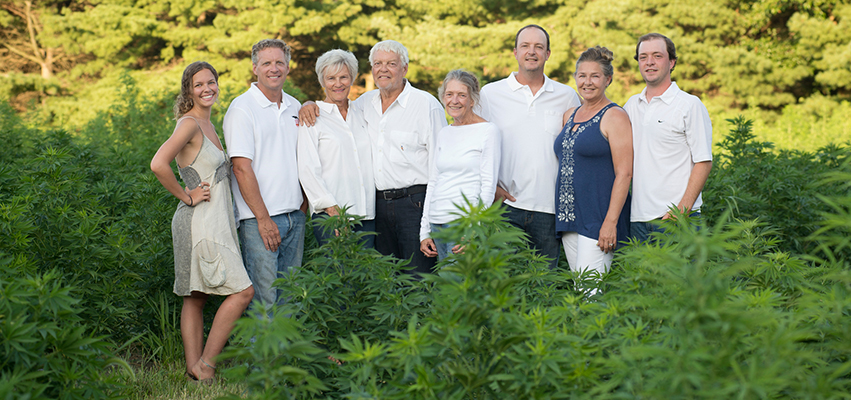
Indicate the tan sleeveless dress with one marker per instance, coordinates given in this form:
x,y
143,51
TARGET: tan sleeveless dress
x,y
206,249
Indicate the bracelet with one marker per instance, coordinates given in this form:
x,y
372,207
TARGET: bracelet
x,y
191,202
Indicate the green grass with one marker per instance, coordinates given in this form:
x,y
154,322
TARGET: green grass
x,y
167,382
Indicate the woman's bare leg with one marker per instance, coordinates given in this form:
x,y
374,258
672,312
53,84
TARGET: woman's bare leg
x,y
192,327
230,310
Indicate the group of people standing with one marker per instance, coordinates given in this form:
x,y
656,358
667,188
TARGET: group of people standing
x,y
563,166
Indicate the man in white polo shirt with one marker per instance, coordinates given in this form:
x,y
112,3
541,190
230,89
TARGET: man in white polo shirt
x,y
672,140
527,106
261,133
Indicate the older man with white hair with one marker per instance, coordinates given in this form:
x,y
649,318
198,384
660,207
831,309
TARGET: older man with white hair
x,y
401,121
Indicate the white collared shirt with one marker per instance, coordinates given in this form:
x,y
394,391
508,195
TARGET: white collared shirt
x,y
401,136
669,135
335,162
257,129
529,125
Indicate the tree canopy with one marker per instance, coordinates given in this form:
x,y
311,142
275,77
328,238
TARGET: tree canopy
x,y
745,54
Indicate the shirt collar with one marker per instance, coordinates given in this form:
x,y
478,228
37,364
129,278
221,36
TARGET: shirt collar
x,y
263,101
329,107
667,97
514,85
402,99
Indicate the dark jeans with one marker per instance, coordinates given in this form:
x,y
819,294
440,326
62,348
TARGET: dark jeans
x,y
641,231
541,228
397,223
367,225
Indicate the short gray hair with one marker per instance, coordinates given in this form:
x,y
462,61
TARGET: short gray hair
x,y
390,46
267,44
465,78
334,59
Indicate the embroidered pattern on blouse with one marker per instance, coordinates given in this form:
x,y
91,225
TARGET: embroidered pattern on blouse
x,y
566,191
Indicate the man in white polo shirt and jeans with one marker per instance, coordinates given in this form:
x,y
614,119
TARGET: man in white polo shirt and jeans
x,y
527,106
672,140
261,132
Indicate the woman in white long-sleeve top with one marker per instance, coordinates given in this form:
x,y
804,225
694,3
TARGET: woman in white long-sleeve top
x,y
334,155
465,161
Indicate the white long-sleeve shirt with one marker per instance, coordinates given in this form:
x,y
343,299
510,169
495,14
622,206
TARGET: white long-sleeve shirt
x,y
401,136
335,162
466,163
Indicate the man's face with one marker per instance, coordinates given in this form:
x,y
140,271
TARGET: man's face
x,y
531,51
653,62
271,69
388,71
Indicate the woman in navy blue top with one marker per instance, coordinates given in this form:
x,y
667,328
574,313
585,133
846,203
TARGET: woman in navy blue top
x,y
595,168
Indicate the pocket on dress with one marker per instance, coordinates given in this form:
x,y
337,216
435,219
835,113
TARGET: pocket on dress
x,y
213,271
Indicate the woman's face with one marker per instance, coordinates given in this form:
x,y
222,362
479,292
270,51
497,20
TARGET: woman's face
x,y
338,83
457,100
591,81
205,90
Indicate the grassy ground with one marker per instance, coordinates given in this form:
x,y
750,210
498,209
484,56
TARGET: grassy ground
x,y
167,382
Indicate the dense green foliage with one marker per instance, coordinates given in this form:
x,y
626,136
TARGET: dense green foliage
x,y
714,312
754,304
758,57
47,349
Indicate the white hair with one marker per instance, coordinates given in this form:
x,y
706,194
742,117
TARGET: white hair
x,y
334,59
390,46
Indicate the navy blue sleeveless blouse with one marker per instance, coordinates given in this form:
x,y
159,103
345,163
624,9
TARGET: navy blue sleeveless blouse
x,y
585,178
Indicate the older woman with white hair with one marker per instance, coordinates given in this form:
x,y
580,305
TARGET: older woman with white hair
x,y
465,161
334,155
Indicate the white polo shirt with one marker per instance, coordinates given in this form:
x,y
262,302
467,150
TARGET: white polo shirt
x,y
401,136
255,128
529,125
669,135
335,162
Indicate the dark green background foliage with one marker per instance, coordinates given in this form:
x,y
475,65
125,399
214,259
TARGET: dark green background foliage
x,y
755,304
784,64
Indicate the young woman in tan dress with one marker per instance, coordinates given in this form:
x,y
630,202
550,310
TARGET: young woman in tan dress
x,y
206,250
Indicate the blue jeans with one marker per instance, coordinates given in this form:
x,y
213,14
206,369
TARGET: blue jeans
x,y
444,248
265,266
367,225
397,223
541,229
641,230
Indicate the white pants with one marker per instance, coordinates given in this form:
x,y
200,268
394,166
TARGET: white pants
x,y
583,253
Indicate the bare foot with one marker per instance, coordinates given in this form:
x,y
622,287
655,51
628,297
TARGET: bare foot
x,y
203,372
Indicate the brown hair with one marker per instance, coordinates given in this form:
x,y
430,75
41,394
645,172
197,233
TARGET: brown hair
x,y
517,36
183,103
669,46
267,44
599,55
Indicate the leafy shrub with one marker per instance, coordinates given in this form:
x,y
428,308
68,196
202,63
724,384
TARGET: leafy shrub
x,y
46,350
707,311
778,187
